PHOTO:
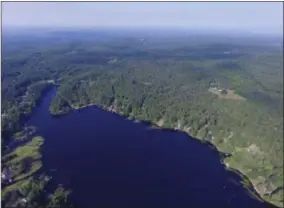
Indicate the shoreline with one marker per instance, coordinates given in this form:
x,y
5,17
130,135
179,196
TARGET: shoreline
x,y
247,182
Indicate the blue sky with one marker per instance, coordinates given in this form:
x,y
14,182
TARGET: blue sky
x,y
265,17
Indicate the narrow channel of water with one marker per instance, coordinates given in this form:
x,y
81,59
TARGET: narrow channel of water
x,y
109,161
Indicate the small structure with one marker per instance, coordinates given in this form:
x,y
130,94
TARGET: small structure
x,y
23,201
6,175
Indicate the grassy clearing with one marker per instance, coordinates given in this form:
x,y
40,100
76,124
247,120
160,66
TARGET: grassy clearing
x,y
24,162
14,187
29,150
30,189
33,169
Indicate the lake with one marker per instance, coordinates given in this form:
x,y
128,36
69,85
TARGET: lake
x,y
109,161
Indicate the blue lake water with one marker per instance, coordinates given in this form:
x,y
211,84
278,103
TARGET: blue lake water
x,y
109,161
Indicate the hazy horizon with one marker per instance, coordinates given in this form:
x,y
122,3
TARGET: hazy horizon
x,y
251,17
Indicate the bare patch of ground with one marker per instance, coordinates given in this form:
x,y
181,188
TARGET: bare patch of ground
x,y
160,123
186,129
262,186
253,149
147,83
229,95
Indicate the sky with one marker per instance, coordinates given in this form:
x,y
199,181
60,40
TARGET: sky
x,y
263,17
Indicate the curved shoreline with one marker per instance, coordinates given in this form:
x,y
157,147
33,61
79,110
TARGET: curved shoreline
x,y
246,181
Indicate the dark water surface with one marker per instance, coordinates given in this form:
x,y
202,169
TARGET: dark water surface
x,y
109,161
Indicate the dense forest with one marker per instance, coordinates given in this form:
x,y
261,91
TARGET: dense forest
x,y
228,91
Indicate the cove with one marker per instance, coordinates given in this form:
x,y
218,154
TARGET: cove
x,y
109,161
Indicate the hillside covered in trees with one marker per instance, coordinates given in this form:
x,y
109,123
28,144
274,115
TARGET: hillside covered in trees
x,y
228,91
